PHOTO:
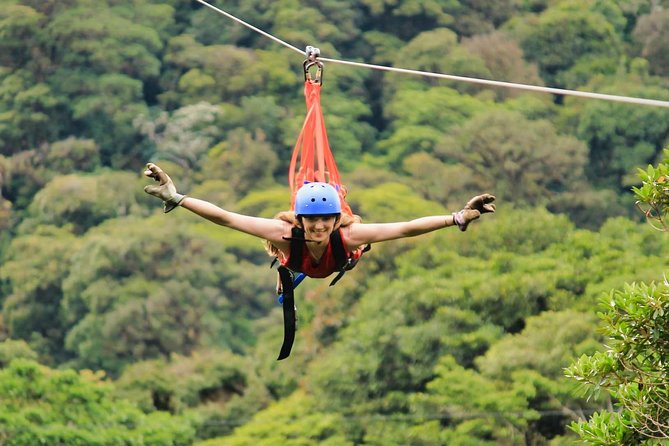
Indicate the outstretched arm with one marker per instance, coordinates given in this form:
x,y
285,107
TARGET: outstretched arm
x,y
269,229
266,228
359,234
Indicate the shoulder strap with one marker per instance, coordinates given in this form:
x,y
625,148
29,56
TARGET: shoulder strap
x,y
296,249
338,249
344,260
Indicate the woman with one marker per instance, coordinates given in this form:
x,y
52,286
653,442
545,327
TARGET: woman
x,y
318,215
317,239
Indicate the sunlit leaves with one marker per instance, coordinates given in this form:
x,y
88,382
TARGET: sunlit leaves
x,y
65,407
83,201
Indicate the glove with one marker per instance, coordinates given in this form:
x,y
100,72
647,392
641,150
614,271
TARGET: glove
x,y
166,190
480,204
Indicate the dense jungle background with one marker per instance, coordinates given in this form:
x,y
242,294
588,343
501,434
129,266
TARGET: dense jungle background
x,y
122,325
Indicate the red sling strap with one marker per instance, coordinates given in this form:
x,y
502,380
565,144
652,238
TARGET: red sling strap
x,y
312,147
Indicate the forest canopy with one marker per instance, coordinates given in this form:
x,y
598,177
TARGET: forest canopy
x,y
120,323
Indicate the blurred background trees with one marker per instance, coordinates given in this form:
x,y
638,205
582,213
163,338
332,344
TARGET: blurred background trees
x,y
110,307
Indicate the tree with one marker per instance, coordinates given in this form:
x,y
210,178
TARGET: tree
x,y
505,60
521,160
217,391
143,289
419,118
10,350
652,34
31,305
633,367
83,201
246,162
621,137
185,135
40,405
567,34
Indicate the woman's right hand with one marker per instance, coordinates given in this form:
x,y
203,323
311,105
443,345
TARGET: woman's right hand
x,y
165,190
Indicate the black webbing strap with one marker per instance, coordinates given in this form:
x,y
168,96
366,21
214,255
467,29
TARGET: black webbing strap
x,y
296,248
343,259
338,250
289,317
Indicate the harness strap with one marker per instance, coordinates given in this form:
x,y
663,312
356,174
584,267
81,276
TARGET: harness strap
x,y
289,315
296,248
344,260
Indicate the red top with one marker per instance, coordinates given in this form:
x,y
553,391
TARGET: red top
x,y
323,267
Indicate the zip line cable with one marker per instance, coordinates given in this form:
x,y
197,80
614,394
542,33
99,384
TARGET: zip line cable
x,y
248,25
534,88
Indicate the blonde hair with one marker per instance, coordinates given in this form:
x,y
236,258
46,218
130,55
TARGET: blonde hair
x,y
289,217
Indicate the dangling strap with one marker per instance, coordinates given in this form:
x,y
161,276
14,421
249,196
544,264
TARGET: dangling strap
x,y
289,316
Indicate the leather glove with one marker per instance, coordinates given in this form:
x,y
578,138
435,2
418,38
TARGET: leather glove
x,y
165,190
480,204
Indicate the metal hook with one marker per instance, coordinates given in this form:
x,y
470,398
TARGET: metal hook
x,y
312,54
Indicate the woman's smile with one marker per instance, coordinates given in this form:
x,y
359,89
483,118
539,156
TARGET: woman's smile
x,y
319,228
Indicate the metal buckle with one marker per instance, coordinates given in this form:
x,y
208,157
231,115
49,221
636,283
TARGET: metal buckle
x,y
311,61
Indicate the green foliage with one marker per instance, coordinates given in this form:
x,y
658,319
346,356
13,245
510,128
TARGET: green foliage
x,y
69,408
635,325
10,350
445,339
25,110
421,118
82,202
216,391
135,290
504,59
622,138
519,160
246,162
294,420
437,50
653,195
547,342
391,202
561,36
185,135
631,369
71,155
31,303
650,33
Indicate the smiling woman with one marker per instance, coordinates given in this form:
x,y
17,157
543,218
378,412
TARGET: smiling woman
x,y
321,235
317,238
317,217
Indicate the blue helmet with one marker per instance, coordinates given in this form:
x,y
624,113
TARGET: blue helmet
x,y
317,199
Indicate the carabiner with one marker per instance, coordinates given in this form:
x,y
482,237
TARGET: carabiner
x,y
312,54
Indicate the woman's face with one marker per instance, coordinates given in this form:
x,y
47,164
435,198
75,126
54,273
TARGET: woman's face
x,y
318,227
